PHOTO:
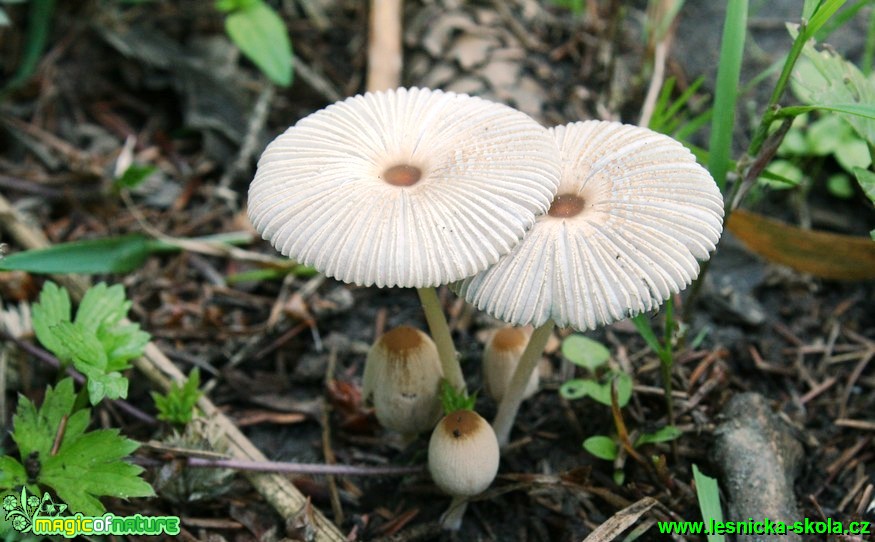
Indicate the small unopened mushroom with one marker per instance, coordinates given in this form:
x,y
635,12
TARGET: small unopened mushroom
x,y
463,454
500,359
402,376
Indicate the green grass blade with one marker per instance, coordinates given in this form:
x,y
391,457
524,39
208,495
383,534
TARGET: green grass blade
x,y
113,255
731,52
39,23
859,110
709,501
823,14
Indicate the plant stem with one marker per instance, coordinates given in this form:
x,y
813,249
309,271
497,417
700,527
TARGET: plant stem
x,y
451,520
513,397
440,332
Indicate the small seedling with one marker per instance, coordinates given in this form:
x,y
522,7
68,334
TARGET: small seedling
x,y
177,406
55,451
99,343
593,356
453,399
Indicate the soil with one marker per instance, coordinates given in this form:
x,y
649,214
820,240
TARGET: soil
x,y
165,75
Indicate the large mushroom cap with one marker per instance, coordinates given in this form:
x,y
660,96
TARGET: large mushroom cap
x,y
409,187
633,214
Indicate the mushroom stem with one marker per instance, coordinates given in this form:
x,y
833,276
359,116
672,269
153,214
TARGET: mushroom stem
x,y
513,397
451,520
440,332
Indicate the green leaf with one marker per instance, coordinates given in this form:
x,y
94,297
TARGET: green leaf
x,y
853,153
821,15
112,385
824,80
867,182
133,176
708,495
53,308
113,255
80,346
102,306
667,433
602,447
34,429
177,406
262,36
642,324
91,466
12,473
839,185
453,400
39,24
123,343
826,134
599,391
782,174
728,74
585,352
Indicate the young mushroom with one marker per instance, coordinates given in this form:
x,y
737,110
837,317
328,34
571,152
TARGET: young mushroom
x,y
402,377
408,187
501,355
463,459
633,214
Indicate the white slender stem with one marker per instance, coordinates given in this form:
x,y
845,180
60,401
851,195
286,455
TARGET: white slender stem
x,y
451,520
440,332
513,397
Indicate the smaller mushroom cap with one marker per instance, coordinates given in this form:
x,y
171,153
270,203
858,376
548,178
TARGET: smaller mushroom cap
x,y
500,359
463,454
402,376
633,214
408,187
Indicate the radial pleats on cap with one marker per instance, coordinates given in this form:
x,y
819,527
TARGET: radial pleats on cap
x,y
650,212
486,171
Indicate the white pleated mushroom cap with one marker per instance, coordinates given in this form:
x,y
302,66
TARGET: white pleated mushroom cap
x,y
633,214
408,187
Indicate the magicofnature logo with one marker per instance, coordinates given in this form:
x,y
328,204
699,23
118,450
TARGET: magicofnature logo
x,y
30,514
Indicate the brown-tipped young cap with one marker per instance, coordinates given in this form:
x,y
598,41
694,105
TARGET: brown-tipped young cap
x,y
408,187
633,214
500,359
402,376
463,454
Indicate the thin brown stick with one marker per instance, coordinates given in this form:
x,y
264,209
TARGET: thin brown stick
x,y
384,45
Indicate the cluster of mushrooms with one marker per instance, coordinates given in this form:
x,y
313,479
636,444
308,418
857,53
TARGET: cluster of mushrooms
x,y
573,226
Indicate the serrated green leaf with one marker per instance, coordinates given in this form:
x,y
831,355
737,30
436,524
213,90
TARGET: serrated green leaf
x,y
262,36
53,307
123,343
114,255
585,352
451,399
177,406
35,428
667,433
102,306
91,466
80,346
12,473
112,385
602,447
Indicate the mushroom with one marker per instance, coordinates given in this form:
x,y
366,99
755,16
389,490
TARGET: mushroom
x,y
407,187
633,214
402,377
501,357
463,459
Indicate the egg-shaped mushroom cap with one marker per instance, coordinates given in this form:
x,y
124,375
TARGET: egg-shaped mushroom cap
x,y
501,355
633,214
402,377
407,187
463,453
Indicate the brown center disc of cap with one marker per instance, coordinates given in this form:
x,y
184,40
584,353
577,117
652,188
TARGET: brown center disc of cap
x,y
566,206
402,175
